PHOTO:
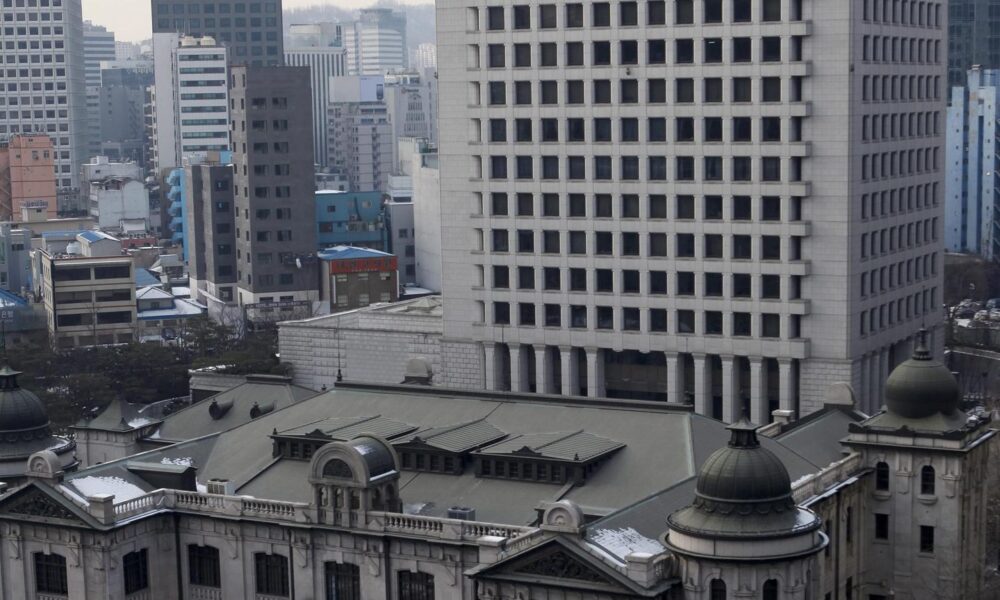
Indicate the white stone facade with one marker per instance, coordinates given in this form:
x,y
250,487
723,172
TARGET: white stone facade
x,y
369,345
740,211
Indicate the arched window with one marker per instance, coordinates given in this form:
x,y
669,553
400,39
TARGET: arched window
x,y
717,589
337,468
882,476
771,589
927,480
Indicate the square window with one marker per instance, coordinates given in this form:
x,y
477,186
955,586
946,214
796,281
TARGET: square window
x,y
742,324
713,322
685,321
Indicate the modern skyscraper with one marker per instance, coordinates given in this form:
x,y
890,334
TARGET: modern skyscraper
x,y
252,31
972,201
361,138
728,203
122,109
376,42
98,46
274,200
43,88
318,46
973,37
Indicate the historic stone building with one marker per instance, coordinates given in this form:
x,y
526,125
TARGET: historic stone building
x,y
414,493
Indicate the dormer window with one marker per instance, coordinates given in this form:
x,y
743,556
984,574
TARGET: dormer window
x,y
445,449
545,457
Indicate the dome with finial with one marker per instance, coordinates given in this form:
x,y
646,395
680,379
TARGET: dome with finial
x,y
25,430
921,386
743,490
22,415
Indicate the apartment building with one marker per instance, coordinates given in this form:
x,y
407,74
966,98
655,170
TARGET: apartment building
x,y
273,183
210,233
727,203
42,87
361,136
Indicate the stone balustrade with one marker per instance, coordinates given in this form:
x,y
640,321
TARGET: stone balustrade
x,y
300,512
817,483
201,592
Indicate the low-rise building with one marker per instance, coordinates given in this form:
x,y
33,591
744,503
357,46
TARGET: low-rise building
x,y
88,291
115,200
356,277
415,493
161,316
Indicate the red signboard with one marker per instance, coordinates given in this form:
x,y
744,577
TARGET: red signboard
x,y
363,265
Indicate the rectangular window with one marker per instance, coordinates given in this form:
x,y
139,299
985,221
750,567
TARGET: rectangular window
x,y
50,574
881,526
926,539
203,566
416,586
343,581
271,574
135,569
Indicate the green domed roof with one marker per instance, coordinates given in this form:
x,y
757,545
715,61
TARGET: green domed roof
x,y
743,471
22,415
921,386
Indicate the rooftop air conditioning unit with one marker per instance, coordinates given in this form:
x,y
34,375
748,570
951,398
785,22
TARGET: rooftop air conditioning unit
x,y
223,487
463,513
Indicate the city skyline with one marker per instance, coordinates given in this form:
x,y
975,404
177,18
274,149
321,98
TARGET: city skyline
x,y
134,25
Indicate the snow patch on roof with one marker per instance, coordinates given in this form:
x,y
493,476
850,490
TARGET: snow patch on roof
x,y
93,484
622,542
139,422
181,461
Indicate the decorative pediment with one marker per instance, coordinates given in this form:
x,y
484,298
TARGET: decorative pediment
x,y
36,503
559,564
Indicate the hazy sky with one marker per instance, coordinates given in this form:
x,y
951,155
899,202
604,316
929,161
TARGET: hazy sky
x,y
130,20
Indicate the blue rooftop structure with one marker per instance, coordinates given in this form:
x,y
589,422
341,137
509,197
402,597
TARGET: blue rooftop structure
x,y
350,219
348,252
145,277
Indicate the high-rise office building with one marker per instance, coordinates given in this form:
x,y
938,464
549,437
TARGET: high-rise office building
x,y
973,37
191,112
319,47
121,104
972,200
98,46
361,138
43,88
729,203
252,31
274,200
376,42
424,57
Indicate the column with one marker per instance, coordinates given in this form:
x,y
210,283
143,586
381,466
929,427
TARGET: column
x,y
874,400
785,400
730,411
570,377
543,370
675,379
759,413
516,372
490,365
595,382
701,399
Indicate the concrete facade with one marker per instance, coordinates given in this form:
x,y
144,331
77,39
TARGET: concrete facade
x,y
52,55
116,199
211,235
326,57
27,176
360,138
585,252
253,37
98,46
274,200
427,217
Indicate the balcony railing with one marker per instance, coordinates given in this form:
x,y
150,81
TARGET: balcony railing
x,y
300,512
